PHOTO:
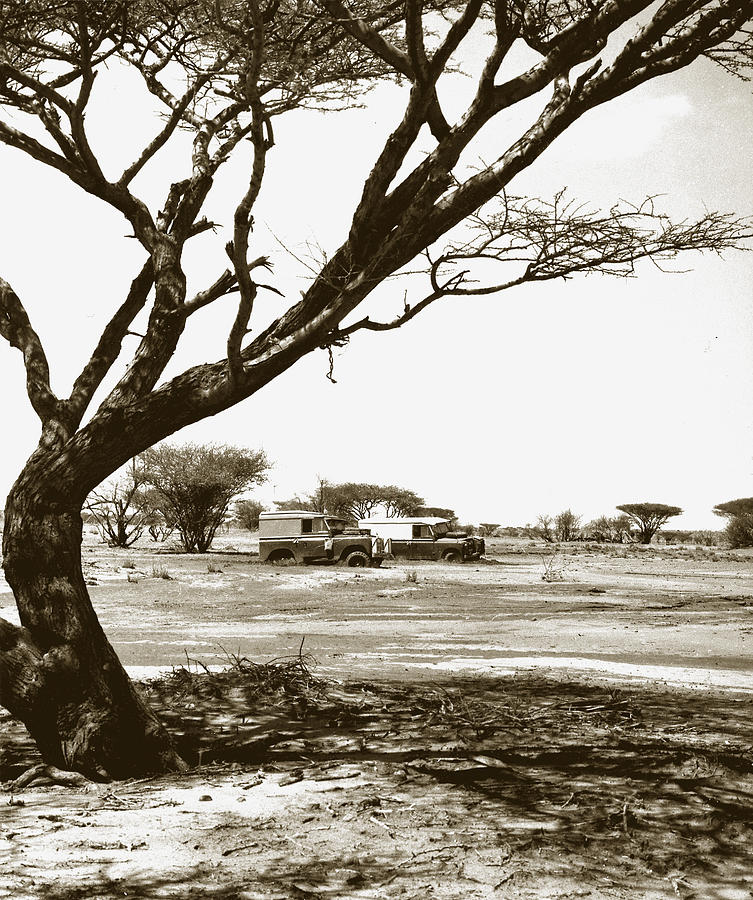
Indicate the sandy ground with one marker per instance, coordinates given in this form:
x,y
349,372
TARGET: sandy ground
x,y
483,733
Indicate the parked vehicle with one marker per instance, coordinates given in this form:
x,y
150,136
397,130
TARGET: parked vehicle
x,y
304,536
424,537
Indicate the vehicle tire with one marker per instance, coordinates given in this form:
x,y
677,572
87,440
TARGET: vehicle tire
x,y
452,556
357,559
281,557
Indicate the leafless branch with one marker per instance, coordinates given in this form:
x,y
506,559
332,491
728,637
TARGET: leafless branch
x,y
16,328
109,346
539,241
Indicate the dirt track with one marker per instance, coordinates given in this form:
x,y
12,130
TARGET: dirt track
x,y
660,615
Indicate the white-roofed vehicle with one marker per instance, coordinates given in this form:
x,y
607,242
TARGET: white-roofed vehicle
x,y
424,537
306,536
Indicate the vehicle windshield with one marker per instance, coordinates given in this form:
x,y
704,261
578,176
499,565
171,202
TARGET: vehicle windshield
x,y
441,529
335,524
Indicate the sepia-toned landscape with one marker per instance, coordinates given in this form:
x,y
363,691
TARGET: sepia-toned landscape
x,y
298,297
422,730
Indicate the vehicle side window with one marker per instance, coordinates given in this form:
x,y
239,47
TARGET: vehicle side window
x,y
421,531
306,525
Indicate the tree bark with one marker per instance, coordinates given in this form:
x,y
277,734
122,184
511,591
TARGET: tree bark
x,y
58,673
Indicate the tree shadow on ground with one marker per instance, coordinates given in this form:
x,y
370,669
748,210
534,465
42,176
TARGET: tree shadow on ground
x,y
527,774
661,777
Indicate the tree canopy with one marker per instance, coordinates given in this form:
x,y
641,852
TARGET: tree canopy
x,y
649,517
193,485
357,500
739,515
743,506
222,74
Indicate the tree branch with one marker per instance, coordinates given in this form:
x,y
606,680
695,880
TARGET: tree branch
x,y
110,343
179,112
16,328
242,219
393,56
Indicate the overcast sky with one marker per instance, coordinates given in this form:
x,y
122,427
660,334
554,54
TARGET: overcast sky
x,y
583,394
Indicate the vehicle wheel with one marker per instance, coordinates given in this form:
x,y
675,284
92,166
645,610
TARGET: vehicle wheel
x,y
357,559
281,557
452,556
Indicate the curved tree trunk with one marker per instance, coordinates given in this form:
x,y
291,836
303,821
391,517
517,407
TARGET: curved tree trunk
x,y
58,673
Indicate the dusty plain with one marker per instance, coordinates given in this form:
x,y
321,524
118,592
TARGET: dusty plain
x,y
441,731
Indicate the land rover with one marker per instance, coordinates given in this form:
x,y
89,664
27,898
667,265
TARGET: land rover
x,y
303,536
424,537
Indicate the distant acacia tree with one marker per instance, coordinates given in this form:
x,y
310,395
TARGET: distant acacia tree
x,y
247,514
566,526
215,78
488,529
353,499
194,484
439,512
649,517
120,509
543,528
358,500
739,515
400,501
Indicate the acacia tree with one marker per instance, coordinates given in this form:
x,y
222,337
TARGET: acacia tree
x,y
649,517
358,500
194,484
399,501
543,528
223,71
352,499
441,512
120,510
739,516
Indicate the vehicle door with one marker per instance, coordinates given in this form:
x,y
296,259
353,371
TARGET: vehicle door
x,y
310,545
421,544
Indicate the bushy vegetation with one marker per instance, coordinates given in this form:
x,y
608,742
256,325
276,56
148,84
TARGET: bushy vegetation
x,y
609,530
739,516
566,526
702,538
194,485
247,514
120,508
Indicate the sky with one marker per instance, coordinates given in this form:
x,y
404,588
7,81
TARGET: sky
x,y
582,394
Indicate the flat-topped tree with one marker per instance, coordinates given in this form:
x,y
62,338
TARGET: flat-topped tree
x,y
649,517
739,516
223,71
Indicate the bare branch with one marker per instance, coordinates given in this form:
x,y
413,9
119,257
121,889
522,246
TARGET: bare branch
x,y
242,219
16,328
110,343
